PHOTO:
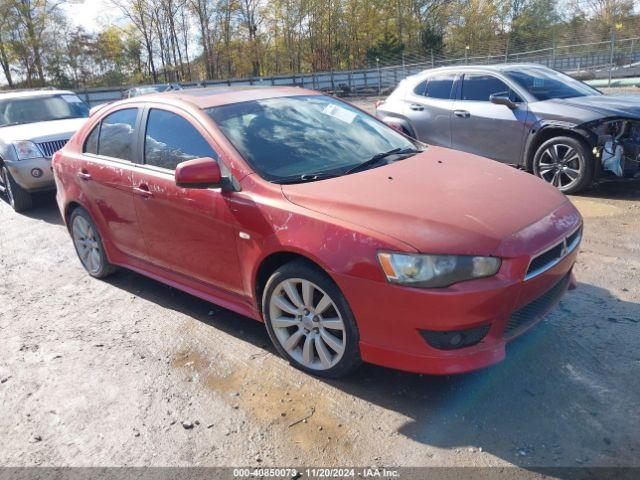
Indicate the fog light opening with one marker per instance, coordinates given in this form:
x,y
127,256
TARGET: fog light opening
x,y
36,172
454,339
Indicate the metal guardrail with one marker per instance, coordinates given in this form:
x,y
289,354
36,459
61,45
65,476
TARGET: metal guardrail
x,y
372,81
616,83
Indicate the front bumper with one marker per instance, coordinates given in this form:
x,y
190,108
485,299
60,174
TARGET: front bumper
x,y
21,171
390,318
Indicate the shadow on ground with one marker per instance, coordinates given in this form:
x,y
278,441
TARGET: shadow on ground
x,y
555,400
614,189
44,208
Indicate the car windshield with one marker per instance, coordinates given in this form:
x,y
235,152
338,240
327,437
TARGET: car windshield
x,y
546,84
146,90
18,111
135,92
315,136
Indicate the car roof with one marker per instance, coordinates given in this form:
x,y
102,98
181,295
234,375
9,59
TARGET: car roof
x,y
495,68
33,93
215,96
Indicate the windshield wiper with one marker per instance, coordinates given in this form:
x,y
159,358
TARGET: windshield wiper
x,y
307,177
313,177
380,156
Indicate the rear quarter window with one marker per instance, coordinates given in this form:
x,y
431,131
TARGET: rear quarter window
x,y
437,87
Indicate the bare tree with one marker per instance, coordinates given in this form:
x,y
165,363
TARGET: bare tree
x,y
185,39
138,12
249,15
5,21
203,11
33,16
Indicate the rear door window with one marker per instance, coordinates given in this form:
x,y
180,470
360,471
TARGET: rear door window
x,y
91,144
117,135
171,139
439,86
420,89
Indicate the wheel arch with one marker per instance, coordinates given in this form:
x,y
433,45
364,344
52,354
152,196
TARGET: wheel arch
x,y
548,130
397,121
69,209
272,262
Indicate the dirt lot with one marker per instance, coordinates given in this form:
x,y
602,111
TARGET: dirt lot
x,y
106,372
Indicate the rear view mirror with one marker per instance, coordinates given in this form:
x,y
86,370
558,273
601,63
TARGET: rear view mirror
x,y
502,98
199,173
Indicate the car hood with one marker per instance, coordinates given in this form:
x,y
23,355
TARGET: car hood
x,y
42,131
604,105
439,201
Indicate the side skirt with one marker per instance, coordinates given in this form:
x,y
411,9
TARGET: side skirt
x,y
231,301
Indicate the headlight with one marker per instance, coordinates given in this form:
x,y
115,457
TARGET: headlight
x,y
434,271
26,150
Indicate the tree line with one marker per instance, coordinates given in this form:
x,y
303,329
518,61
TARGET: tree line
x,y
193,40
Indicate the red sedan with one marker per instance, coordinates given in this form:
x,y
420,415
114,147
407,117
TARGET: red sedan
x,y
349,240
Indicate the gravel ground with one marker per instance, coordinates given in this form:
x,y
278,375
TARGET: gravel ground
x,y
128,372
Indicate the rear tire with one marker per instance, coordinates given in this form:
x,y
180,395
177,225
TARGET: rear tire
x,y
309,321
566,163
88,244
19,199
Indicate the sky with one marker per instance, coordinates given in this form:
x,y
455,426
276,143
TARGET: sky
x,y
91,14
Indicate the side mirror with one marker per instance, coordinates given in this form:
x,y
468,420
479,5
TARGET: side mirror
x,y
502,98
199,173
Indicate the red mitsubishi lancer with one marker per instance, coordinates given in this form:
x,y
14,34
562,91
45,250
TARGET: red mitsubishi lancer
x,y
350,241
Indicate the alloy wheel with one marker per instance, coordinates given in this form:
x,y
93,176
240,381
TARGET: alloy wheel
x,y
561,166
87,244
307,323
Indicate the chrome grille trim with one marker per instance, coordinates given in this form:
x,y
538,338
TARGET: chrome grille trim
x,y
567,244
49,148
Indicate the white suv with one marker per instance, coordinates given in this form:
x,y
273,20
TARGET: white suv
x,y
33,126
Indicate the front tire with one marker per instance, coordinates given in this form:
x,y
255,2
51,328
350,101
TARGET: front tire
x,y
309,321
19,199
566,163
88,244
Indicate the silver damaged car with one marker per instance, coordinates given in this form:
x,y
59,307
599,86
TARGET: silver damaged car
x,y
529,116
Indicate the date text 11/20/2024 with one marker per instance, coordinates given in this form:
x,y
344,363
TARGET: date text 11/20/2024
x,y
367,472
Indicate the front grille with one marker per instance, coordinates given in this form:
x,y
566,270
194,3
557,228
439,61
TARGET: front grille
x,y
551,257
49,148
523,318
571,239
545,258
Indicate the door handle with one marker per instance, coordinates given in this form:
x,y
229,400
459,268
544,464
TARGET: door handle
x,y
84,175
461,113
416,107
143,191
